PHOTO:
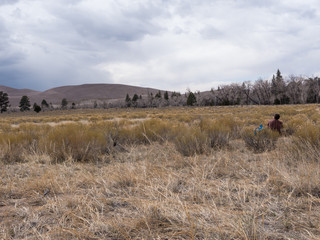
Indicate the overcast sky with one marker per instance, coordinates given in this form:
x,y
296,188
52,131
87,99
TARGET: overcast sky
x,y
165,44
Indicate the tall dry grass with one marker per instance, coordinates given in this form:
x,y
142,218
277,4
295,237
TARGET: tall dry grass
x,y
159,178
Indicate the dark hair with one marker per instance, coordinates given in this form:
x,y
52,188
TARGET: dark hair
x,y
277,116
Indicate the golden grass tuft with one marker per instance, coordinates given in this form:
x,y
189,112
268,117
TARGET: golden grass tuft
x,y
309,133
189,140
75,142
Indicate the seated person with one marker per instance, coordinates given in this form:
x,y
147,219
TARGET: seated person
x,y
275,124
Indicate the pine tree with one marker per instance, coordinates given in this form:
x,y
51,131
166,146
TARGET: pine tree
x,y
158,95
135,98
191,100
4,101
24,104
36,108
166,95
274,86
278,88
128,100
175,94
64,103
44,104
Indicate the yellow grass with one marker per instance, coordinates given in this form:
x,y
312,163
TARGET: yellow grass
x,y
154,174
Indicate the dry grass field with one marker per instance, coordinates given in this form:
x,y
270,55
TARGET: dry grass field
x,y
170,173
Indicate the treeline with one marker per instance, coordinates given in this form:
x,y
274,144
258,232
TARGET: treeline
x,y
278,90
25,105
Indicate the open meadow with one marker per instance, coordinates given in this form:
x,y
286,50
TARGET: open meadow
x,y
166,173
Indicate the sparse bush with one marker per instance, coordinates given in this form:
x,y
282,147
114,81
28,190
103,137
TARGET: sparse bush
x,y
14,144
76,142
230,125
155,129
294,123
310,133
190,140
217,132
262,141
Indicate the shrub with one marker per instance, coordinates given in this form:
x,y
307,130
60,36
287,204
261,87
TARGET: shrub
x,y
295,123
217,132
262,141
309,133
76,141
190,140
119,132
155,129
13,145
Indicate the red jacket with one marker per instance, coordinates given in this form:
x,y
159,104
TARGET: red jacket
x,y
275,125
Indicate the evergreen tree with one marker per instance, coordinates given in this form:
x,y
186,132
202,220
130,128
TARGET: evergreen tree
x,y
278,88
64,103
274,89
175,94
4,101
191,100
36,108
44,104
166,95
128,100
158,95
135,98
24,104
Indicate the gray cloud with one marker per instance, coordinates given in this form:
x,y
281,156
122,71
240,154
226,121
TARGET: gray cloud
x,y
122,28
5,2
166,44
8,54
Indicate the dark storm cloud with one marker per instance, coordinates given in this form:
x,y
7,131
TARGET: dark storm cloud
x,y
9,78
8,59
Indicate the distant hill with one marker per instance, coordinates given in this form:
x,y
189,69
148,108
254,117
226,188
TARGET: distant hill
x,y
76,93
18,92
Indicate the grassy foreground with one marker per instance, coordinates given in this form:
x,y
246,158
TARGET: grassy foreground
x,y
174,173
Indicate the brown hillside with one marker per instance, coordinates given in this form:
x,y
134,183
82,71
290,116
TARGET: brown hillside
x,y
18,92
76,93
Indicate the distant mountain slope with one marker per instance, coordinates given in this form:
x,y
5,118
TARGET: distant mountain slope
x,y
76,93
18,92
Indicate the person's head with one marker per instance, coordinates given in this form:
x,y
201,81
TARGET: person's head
x,y
277,116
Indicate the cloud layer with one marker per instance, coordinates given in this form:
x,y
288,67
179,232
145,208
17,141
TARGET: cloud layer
x,y
166,44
